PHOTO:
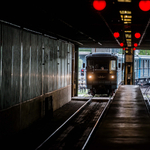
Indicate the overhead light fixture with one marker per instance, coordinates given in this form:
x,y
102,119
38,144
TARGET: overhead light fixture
x,y
137,35
116,34
135,44
99,43
121,44
144,5
99,4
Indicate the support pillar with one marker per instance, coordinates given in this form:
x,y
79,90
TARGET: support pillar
x,y
76,69
129,67
75,55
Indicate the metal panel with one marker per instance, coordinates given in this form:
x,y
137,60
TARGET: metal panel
x,y
46,51
26,66
16,90
70,63
51,66
59,66
63,64
39,66
6,65
66,63
23,71
55,66
33,65
1,101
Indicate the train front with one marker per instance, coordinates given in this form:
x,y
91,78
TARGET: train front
x,y
101,73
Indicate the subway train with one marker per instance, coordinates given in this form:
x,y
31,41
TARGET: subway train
x,y
103,72
142,69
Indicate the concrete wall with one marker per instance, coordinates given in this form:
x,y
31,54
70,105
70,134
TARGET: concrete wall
x,y
32,67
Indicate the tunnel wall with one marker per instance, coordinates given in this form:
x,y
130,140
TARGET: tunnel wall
x,y
32,68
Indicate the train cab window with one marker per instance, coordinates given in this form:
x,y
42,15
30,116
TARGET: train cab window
x,y
90,64
101,65
113,65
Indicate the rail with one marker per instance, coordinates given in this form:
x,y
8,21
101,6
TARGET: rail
x,y
40,146
145,93
83,146
95,125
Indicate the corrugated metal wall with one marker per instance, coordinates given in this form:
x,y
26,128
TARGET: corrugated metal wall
x,y
31,65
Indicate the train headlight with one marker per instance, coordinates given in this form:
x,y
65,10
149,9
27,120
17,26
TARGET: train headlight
x,y
112,77
90,77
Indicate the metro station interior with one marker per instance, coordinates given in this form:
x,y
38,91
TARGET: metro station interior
x,y
41,45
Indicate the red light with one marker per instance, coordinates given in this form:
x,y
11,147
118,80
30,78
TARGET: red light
x,y
121,44
82,70
124,49
134,48
99,4
144,5
135,44
137,35
116,34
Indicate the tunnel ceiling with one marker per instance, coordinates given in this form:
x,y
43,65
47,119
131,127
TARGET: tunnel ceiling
x,y
78,22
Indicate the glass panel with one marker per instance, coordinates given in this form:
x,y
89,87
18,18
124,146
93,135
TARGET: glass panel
x,y
90,64
113,65
101,64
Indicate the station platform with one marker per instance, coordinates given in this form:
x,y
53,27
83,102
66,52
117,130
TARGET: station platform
x,y
126,125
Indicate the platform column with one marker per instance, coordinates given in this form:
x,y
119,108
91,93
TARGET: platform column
x,y
129,67
75,55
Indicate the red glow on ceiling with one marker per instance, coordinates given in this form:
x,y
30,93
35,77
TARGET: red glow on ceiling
x,y
116,34
99,4
135,44
121,44
134,48
137,35
144,5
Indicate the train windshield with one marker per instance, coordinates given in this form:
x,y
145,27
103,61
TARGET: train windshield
x,y
98,64
113,65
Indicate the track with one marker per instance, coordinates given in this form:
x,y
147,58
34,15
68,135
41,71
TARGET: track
x,y
76,131
146,94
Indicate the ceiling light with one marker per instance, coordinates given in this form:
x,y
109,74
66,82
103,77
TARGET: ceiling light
x,y
144,5
99,4
116,34
121,44
137,35
135,44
